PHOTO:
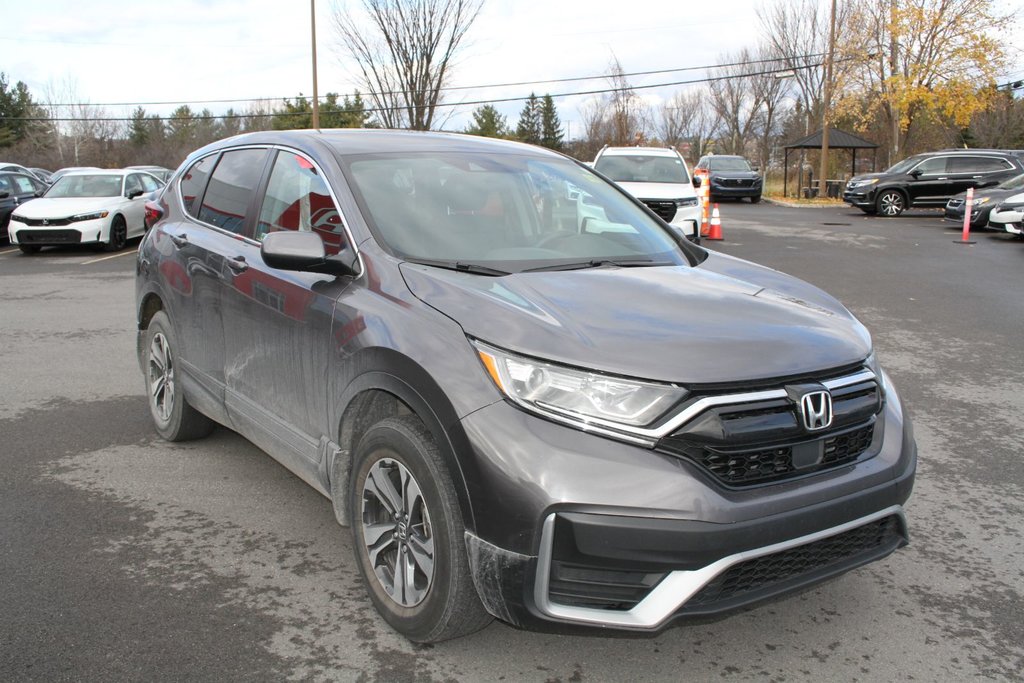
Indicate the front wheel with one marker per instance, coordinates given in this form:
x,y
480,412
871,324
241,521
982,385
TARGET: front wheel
x,y
409,534
891,203
755,199
118,235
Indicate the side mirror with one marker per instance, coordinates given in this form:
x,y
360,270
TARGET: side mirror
x,y
4,194
304,252
916,173
697,180
132,194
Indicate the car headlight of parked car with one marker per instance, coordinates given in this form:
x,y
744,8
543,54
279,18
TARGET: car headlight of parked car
x,y
89,216
585,397
687,201
861,183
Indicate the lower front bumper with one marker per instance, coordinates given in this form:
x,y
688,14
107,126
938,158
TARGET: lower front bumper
x,y
735,192
638,573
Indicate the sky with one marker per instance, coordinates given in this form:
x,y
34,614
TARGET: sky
x,y
197,51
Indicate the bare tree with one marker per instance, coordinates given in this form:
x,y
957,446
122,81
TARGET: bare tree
x,y
403,50
736,101
688,123
771,92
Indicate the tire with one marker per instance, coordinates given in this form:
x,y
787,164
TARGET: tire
x,y
29,248
890,203
404,512
173,417
755,199
118,238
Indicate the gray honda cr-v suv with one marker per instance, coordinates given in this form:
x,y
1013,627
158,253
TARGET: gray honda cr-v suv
x,y
525,394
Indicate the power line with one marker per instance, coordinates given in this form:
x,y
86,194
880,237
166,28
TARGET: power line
x,y
371,110
447,89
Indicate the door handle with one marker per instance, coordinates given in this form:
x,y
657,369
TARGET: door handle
x,y
238,264
944,178
179,240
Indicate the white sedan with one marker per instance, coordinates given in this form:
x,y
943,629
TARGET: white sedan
x,y
85,207
1009,215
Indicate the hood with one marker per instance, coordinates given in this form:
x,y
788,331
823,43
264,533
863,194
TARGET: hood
x,y
724,320
994,192
867,176
62,207
659,190
735,175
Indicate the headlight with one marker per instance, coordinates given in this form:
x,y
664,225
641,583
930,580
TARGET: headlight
x,y
977,201
89,216
862,183
583,396
688,201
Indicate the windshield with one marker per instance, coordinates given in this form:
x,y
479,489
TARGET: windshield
x,y
86,186
1015,183
507,213
904,166
728,164
640,168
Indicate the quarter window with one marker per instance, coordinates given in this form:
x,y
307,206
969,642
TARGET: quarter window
x,y
193,181
298,199
231,187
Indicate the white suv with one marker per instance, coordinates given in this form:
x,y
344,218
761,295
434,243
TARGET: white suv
x,y
657,176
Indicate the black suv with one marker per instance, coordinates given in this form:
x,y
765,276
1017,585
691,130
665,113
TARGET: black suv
x,y
930,179
527,396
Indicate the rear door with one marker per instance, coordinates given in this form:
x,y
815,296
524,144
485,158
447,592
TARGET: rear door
x,y
978,171
278,323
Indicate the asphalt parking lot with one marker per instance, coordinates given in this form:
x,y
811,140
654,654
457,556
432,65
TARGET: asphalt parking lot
x,y
126,558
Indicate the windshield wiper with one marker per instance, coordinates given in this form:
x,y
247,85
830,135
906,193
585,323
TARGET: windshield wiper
x,y
460,266
601,262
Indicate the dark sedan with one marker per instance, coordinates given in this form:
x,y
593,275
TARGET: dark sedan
x,y
15,190
985,200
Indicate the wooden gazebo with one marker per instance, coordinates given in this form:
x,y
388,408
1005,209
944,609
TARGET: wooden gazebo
x,y
837,139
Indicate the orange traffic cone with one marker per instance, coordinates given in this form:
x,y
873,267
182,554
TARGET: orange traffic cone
x,y
716,226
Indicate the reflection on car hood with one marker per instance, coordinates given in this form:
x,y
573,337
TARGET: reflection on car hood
x,y
723,320
62,207
740,175
659,190
994,192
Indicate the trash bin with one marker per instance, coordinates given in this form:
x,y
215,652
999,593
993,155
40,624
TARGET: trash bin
x,y
834,188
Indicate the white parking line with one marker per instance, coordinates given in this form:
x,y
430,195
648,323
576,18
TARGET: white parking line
x,y
8,251
107,258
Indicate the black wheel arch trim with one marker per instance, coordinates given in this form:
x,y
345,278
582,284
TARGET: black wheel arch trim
x,y
394,373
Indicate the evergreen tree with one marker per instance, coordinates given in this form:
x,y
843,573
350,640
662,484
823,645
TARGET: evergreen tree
x,y
334,113
528,128
138,129
15,103
488,123
551,134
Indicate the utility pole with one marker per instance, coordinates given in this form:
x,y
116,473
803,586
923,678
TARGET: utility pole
x,y
316,100
826,101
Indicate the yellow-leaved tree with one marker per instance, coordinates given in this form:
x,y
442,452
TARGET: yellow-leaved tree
x,y
924,59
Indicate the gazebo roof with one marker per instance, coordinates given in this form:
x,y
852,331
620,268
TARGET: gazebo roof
x,y
837,139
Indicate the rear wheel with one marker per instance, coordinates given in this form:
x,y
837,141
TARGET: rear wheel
x,y
891,203
29,248
409,534
175,419
118,235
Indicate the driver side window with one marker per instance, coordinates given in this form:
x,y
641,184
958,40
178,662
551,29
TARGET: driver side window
x,y
297,198
134,183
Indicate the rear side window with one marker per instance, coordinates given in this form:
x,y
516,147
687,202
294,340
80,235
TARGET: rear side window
x,y
978,165
193,181
231,188
24,184
298,199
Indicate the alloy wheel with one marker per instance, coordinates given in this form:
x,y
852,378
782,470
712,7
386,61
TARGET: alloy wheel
x,y
396,532
890,204
161,377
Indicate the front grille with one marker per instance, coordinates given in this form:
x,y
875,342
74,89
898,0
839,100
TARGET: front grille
x,y
764,573
736,182
666,210
49,236
954,203
765,441
35,222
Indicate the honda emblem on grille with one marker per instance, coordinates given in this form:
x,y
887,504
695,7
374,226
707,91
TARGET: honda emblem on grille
x,y
46,222
816,410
